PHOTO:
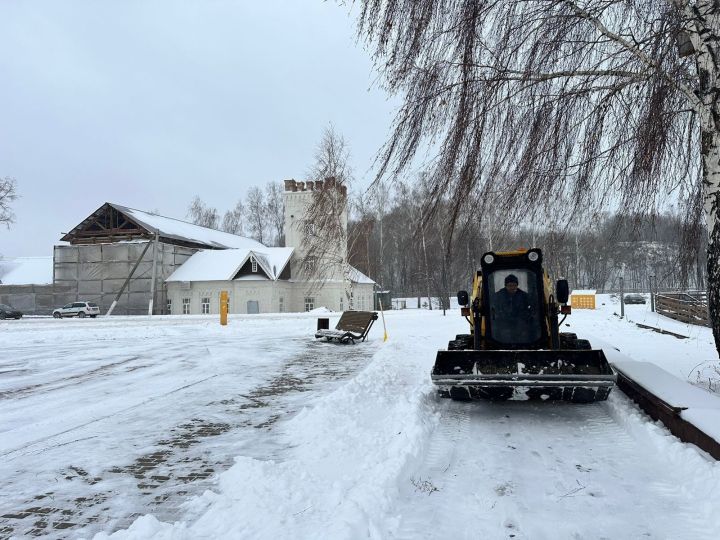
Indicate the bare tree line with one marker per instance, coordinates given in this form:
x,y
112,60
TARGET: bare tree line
x,y
420,258
260,216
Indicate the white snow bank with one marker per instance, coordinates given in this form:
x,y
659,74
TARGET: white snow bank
x,y
702,407
671,390
321,311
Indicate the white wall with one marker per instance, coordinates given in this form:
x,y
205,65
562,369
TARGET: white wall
x,y
267,293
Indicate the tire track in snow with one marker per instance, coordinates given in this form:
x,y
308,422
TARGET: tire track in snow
x,y
440,472
543,470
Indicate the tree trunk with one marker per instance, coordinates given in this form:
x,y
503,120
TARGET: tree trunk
x,y
427,267
711,181
706,30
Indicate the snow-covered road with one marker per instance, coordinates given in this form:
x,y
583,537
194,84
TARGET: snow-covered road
x,y
258,431
106,420
536,470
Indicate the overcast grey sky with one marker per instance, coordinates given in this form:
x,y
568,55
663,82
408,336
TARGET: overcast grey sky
x,y
147,103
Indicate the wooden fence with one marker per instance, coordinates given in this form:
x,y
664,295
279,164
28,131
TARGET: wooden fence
x,y
687,307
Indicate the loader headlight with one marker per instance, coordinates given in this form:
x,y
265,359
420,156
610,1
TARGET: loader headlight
x,y
488,259
533,256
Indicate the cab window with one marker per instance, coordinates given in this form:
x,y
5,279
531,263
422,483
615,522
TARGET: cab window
x,y
514,310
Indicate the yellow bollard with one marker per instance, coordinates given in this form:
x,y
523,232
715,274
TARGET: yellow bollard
x,y
382,314
223,307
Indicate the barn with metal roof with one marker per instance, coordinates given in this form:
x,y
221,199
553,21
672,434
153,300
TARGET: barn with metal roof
x,y
119,257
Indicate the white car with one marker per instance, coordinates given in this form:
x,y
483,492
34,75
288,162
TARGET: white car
x,y
77,309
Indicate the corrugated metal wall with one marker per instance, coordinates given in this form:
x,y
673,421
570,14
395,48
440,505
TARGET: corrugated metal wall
x,y
95,273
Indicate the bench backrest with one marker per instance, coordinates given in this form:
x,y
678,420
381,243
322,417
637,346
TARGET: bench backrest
x,y
356,321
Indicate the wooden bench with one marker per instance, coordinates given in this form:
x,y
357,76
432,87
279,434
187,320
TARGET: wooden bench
x,y
351,326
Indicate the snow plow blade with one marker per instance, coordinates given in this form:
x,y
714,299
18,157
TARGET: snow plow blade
x,y
580,376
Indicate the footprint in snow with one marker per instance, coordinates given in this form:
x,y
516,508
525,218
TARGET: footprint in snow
x,y
504,489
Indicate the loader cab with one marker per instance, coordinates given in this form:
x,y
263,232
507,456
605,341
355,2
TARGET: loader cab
x,y
513,306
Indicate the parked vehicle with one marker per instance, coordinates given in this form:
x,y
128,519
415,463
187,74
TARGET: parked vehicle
x,y
9,312
77,309
635,298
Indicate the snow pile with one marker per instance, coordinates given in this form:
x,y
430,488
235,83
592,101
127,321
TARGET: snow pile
x,y
320,311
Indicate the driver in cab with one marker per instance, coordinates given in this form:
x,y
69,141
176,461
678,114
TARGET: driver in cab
x,y
512,311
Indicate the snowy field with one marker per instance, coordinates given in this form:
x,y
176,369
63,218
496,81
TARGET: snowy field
x,y
176,427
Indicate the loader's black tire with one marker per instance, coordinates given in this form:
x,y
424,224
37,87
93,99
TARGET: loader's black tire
x,y
460,394
461,341
568,340
498,393
583,345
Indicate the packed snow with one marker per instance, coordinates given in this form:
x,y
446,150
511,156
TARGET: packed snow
x,y
176,427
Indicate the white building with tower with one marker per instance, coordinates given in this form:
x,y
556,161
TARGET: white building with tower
x,y
264,279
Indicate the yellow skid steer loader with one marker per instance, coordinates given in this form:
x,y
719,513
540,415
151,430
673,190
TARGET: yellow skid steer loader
x,y
515,349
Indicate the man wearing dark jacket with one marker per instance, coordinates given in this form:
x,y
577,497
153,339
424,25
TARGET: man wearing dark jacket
x,y
511,312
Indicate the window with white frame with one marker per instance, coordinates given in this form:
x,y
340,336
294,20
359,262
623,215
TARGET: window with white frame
x,y
186,306
281,306
169,306
253,262
309,303
205,306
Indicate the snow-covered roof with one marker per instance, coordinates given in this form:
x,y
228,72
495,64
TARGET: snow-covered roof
x,y
182,230
222,265
584,291
358,277
26,271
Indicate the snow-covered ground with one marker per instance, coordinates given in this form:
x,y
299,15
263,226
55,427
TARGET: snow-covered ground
x,y
257,431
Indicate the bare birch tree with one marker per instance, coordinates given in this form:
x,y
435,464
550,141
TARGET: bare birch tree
x,y
275,212
233,219
256,214
8,193
324,229
203,215
584,102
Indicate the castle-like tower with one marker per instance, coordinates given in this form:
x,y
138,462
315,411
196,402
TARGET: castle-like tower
x,y
298,198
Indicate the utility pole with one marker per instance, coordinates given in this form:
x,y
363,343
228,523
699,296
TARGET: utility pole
x,y
652,293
